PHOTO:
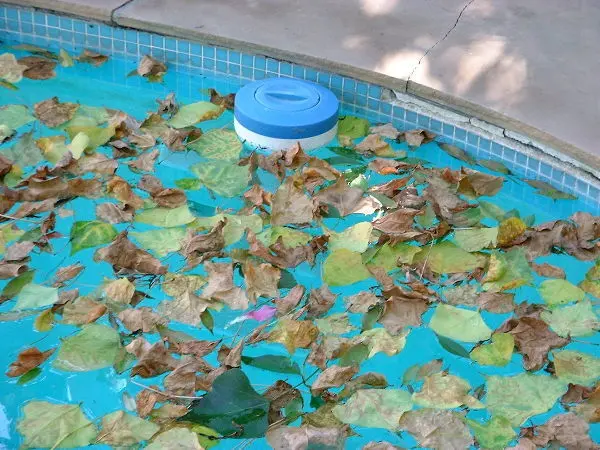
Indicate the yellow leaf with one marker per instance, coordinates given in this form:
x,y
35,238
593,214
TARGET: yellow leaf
x,y
509,230
45,321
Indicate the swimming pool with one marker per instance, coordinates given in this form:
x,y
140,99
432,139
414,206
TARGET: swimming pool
x,y
341,263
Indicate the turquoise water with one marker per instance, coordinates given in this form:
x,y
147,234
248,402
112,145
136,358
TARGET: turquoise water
x,y
103,391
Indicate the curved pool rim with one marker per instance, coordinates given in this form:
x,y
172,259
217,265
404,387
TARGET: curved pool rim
x,y
482,132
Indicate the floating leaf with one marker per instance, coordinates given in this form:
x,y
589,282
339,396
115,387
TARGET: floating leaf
x,y
375,408
442,430
27,360
47,425
447,257
188,184
89,234
452,347
353,127
559,292
291,205
389,256
576,367
498,353
232,401
10,69
273,363
34,296
120,429
495,434
355,238
222,177
475,239
235,227
193,113
15,116
521,396
29,376
162,242
175,439
445,391
343,267
94,347
290,236
460,324
14,286
507,271
379,340
575,320
219,143
294,334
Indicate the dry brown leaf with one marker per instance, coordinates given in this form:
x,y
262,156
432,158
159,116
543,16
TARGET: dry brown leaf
x,y
533,339
28,359
145,401
11,270
144,162
261,280
196,348
182,381
120,189
565,431
112,213
226,101
294,334
196,247
290,205
361,302
52,113
231,357
415,138
401,312
150,184
93,58
153,360
341,196
82,310
283,257
279,396
151,67
220,286
333,376
123,254
496,302
320,301
286,304
18,251
38,68
168,105
548,270
142,319
85,188
170,198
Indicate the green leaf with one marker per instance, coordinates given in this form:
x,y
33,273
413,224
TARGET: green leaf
x,y
380,340
232,401
175,439
388,256
29,376
88,234
493,435
166,217
120,429
457,153
34,296
575,320
447,257
15,116
521,396
219,143
191,114
96,136
290,236
207,320
498,353
354,238
452,346
354,356
343,267
334,324
273,363
548,190
445,391
348,153
162,242
25,152
353,127
507,271
374,408
559,292
491,210
94,347
14,286
188,184
222,177
460,324
576,367
235,228
46,425
475,239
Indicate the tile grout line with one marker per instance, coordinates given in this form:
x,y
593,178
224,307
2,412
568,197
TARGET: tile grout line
x,y
464,8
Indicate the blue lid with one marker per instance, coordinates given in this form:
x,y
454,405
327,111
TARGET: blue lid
x,y
286,108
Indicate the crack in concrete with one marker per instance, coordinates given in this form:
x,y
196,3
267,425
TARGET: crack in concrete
x,y
464,8
112,13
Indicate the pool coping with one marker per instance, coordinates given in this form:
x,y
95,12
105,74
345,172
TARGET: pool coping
x,y
477,115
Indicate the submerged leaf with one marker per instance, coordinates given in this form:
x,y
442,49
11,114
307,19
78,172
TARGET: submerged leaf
x,y
507,271
218,144
352,127
495,434
34,296
89,234
446,257
222,177
193,113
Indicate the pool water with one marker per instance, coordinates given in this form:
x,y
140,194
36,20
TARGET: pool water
x,y
103,391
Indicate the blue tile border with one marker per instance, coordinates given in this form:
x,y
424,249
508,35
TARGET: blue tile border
x,y
45,29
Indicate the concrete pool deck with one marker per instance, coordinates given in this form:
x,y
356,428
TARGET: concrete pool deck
x,y
530,70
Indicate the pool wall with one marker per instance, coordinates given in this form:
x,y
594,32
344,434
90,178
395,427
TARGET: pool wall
x,y
377,103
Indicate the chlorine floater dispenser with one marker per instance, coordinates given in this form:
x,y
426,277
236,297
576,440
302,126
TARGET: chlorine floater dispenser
x,y
276,113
